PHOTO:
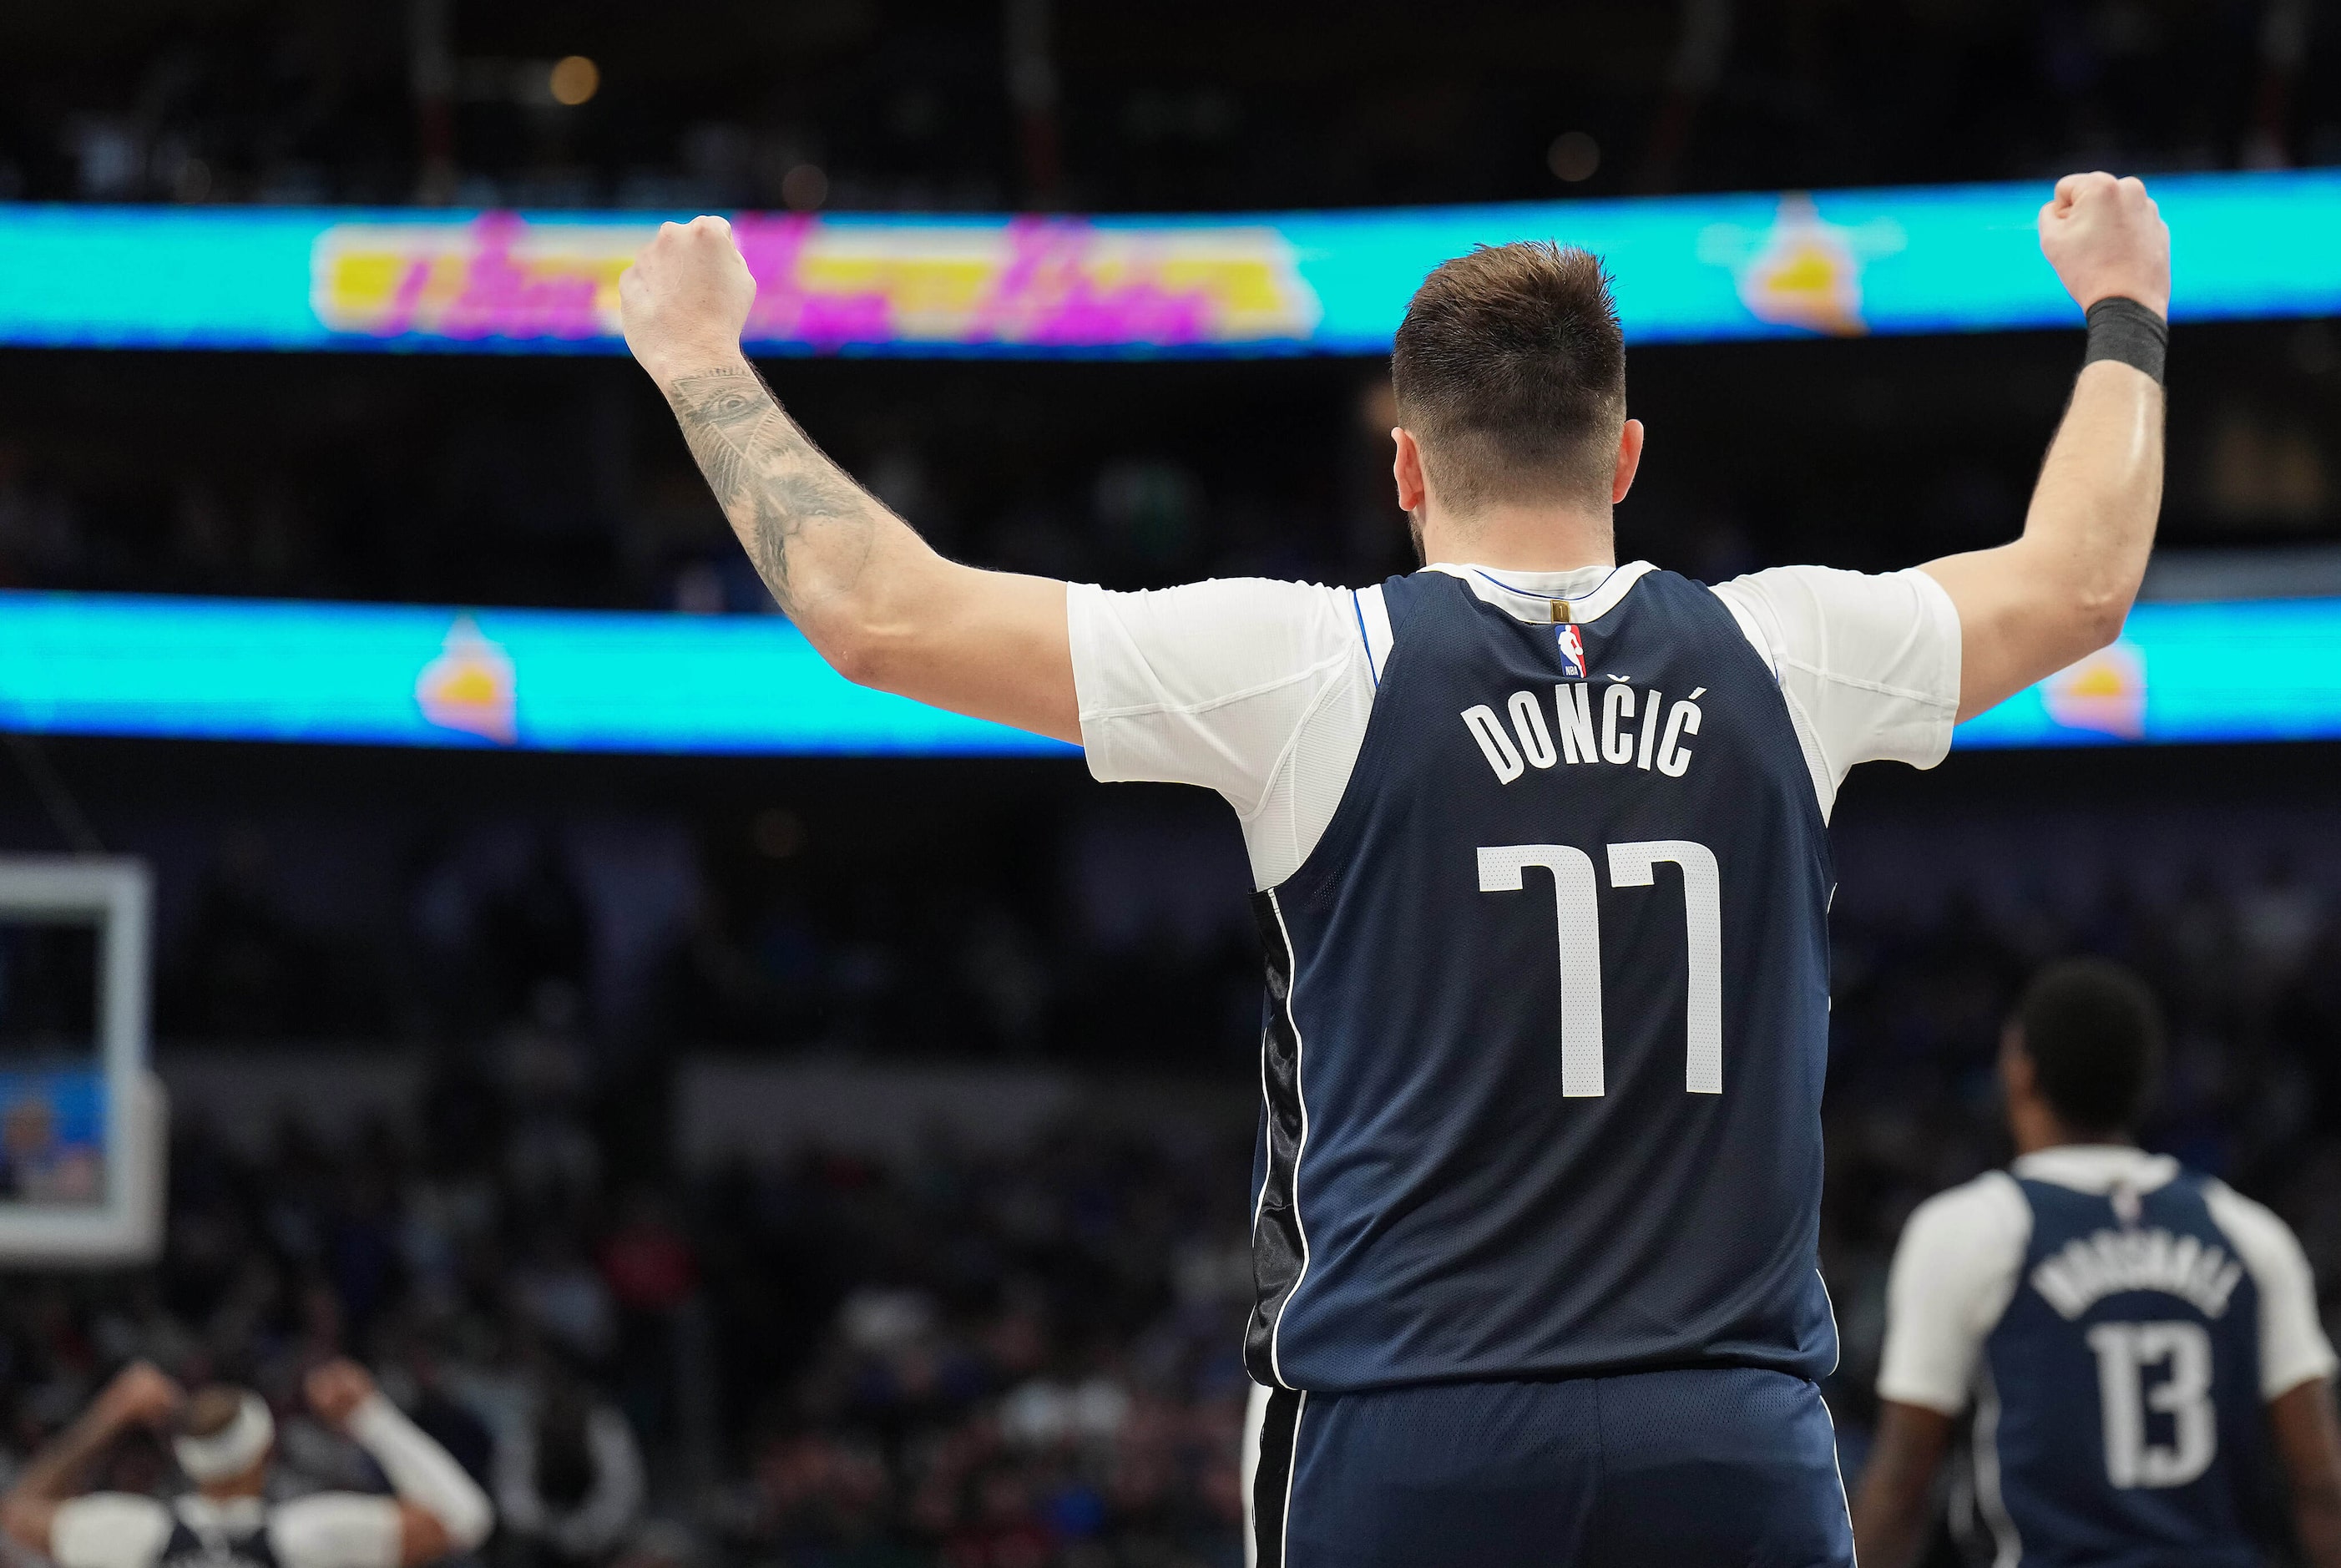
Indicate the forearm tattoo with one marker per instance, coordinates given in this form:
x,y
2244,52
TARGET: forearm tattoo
x,y
775,484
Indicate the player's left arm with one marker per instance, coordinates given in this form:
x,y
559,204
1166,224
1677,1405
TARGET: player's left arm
x,y
1895,1501
1953,1272
2308,1441
441,1509
139,1396
875,600
2030,608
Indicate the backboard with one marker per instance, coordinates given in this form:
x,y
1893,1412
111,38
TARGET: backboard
x,y
83,1120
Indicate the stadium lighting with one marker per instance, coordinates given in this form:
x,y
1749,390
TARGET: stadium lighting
x,y
575,80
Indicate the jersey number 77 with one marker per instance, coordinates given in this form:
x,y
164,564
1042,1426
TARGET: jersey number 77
x,y
1579,933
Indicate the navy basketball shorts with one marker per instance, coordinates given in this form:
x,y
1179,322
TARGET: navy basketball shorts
x,y
1722,1467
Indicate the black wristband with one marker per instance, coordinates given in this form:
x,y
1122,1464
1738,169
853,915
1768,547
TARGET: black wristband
x,y
2125,330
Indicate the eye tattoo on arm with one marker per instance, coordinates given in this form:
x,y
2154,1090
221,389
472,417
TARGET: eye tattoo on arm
x,y
775,486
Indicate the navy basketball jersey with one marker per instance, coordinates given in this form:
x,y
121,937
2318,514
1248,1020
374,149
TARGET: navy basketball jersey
x,y
1547,1013
2119,1419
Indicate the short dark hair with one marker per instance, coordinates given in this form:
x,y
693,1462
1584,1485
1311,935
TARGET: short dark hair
x,y
209,1410
2094,1033
1510,370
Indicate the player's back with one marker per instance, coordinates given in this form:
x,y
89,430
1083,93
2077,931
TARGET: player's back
x,y
1548,1015
2119,1415
208,1534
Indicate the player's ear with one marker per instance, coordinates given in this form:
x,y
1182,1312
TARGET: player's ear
x,y
1629,460
1406,469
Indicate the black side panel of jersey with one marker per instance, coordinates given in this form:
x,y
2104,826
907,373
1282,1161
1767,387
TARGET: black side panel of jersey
x,y
1277,1244
1504,992
2121,1424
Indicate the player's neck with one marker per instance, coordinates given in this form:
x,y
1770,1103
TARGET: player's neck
x,y
1507,537
255,1484
2035,1133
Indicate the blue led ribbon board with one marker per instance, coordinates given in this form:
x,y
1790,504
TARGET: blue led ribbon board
x,y
584,681
1689,269
2244,670
414,675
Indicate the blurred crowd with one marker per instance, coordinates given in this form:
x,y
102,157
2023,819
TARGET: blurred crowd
x,y
914,104
977,1362
1028,1355
563,481
565,484
842,917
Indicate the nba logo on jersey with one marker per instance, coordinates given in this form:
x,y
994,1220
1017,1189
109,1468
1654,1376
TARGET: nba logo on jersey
x,y
1572,651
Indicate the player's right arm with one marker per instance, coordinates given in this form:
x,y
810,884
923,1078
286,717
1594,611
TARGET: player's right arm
x,y
2308,1441
2059,593
1895,1502
139,1396
883,607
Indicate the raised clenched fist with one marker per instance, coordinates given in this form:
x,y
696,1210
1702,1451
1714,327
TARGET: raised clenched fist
x,y
336,1389
140,1395
2105,238
685,299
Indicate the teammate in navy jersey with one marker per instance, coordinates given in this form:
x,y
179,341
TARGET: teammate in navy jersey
x,y
237,1514
1543,880
2130,1331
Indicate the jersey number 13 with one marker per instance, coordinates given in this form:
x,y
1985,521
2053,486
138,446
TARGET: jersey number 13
x,y
2182,1351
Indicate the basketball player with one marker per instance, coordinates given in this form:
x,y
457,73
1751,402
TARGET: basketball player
x,y
223,1438
2130,1331
1543,888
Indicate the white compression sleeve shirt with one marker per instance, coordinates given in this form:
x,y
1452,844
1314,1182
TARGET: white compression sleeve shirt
x,y
1261,690
422,1472
325,1529
111,1530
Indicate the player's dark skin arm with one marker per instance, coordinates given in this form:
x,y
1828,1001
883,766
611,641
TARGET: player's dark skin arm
x,y
2308,1441
139,1396
1895,1501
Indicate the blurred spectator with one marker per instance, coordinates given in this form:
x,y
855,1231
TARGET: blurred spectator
x,y
569,1479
